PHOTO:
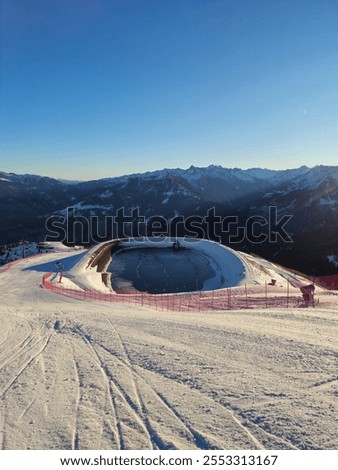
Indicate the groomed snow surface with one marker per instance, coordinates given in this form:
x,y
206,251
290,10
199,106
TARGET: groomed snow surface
x,y
80,375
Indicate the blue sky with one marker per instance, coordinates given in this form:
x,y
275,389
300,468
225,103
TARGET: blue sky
x,y
107,87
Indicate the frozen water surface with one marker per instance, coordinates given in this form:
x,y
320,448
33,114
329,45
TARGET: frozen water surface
x,y
159,270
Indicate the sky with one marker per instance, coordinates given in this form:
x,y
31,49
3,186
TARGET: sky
x,y
96,88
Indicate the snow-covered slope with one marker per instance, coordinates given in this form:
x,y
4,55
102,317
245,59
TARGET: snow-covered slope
x,y
76,375
228,268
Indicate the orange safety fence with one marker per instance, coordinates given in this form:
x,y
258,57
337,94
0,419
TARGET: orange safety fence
x,y
5,267
224,299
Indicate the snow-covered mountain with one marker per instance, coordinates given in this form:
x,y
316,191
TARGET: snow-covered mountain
x,y
213,183
310,195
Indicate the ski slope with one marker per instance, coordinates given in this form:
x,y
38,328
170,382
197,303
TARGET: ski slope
x,y
76,375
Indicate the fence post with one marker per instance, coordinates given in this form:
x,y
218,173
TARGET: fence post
x,y
287,292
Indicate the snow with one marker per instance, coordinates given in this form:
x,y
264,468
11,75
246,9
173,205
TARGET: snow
x,y
327,202
18,251
78,375
193,175
82,206
106,194
314,176
333,259
231,268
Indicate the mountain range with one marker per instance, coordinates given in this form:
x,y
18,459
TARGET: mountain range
x,y
309,195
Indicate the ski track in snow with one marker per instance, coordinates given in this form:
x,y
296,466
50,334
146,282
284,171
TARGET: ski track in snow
x,y
200,441
76,375
77,403
161,400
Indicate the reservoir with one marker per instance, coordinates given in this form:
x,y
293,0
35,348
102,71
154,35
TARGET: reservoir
x,y
160,270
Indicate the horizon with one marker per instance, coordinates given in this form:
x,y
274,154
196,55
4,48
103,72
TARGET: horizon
x,y
96,88
163,169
